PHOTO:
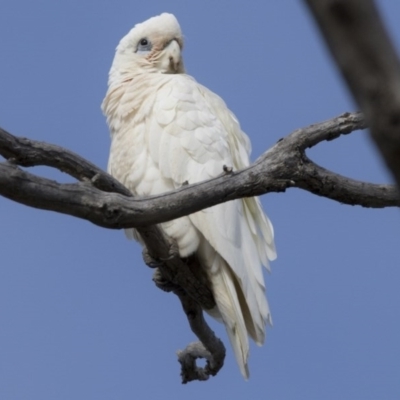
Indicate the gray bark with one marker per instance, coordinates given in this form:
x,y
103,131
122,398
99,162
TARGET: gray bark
x,y
364,54
100,199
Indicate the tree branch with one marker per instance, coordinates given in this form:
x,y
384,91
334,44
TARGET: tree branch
x,y
285,165
100,199
360,45
193,293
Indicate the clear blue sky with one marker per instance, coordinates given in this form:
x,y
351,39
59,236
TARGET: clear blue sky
x,y
79,315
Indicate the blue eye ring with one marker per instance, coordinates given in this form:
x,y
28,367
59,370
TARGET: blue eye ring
x,y
144,46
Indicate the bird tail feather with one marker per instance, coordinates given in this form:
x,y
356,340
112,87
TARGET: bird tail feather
x,y
226,290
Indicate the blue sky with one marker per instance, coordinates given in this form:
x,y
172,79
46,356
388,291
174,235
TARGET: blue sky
x,y
79,315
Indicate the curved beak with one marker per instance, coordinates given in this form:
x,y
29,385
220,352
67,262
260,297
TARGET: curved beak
x,y
171,60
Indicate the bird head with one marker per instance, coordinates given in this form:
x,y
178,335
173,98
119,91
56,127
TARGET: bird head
x,y
154,45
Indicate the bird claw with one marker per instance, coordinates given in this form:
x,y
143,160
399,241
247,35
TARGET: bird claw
x,y
155,263
173,250
150,261
162,283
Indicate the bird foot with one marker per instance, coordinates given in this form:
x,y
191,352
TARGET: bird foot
x,y
173,250
151,261
162,283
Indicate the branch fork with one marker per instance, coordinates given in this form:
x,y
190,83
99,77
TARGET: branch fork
x,y
107,203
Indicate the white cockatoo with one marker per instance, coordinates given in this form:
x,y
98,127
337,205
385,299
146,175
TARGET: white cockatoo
x,y
166,130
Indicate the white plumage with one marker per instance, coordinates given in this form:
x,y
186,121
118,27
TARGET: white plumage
x,y
167,129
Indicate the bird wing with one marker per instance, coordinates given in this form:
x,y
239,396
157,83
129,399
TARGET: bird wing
x,y
191,136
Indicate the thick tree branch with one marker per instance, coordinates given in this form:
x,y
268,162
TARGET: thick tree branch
x,y
360,45
99,198
283,166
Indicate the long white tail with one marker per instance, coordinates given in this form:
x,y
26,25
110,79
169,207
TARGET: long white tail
x,y
233,311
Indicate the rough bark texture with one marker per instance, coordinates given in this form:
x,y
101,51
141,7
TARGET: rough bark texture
x,y
360,45
99,198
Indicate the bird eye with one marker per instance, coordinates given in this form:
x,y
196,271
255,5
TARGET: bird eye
x,y
144,46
